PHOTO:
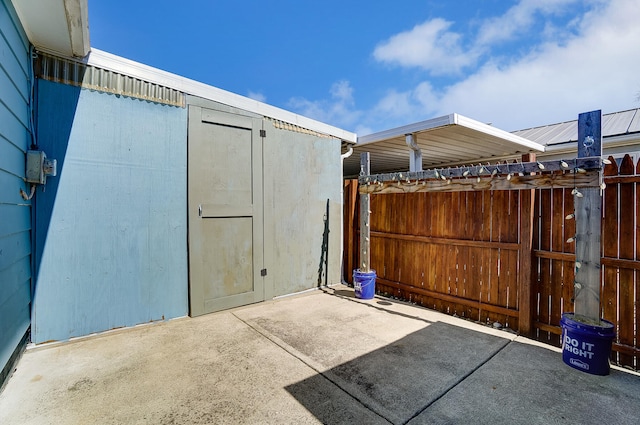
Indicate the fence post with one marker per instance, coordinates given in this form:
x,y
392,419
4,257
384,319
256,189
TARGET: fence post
x,y
525,305
350,229
365,206
588,216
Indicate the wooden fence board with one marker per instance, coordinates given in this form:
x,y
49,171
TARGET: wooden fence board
x,y
514,215
569,224
609,291
545,219
568,276
636,364
463,277
556,266
486,216
544,315
494,285
440,259
460,279
627,251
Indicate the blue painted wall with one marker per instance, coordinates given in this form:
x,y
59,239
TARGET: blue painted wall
x,y
15,221
111,228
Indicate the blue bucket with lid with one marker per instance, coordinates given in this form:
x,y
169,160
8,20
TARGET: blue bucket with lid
x,y
587,346
364,284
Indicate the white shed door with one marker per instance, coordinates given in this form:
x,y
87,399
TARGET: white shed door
x,y
225,210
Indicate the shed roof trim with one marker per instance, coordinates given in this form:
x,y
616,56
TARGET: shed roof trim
x,y
112,62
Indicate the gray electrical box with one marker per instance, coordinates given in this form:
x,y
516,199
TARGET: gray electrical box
x,y
39,167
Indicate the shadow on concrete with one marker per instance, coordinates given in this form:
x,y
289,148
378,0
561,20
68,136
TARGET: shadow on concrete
x,y
446,374
344,293
397,382
380,303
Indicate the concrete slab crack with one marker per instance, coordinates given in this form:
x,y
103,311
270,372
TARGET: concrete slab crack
x,y
458,382
308,362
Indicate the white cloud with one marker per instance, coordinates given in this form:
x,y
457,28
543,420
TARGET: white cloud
x,y
429,46
399,108
339,110
595,67
518,20
595,70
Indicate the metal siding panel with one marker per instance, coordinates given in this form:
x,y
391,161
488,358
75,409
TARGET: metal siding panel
x,y
15,242
111,227
295,205
76,73
613,124
634,125
617,123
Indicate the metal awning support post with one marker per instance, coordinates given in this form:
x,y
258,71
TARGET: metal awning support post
x,y
415,158
365,206
588,215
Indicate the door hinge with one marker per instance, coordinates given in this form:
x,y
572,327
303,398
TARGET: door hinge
x,y
263,272
263,133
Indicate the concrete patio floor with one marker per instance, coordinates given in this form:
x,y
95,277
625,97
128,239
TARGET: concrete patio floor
x,y
320,357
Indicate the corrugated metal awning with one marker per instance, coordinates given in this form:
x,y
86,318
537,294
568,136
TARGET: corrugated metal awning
x,y
446,141
79,74
615,124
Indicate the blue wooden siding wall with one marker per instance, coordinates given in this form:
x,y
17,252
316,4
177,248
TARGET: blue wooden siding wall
x,y
111,228
15,221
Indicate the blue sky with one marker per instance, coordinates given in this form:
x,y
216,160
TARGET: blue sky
x,y
371,66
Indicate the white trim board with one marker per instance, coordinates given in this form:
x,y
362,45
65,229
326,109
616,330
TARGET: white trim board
x,y
101,59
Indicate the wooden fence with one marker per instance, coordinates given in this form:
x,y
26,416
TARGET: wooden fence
x,y
465,254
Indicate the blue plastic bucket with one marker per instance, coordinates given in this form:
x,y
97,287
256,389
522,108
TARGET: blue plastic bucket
x,y
586,347
364,284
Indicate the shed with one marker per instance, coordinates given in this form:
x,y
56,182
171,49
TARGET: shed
x,y
172,197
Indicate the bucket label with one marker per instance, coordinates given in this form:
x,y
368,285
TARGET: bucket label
x,y
574,346
579,363
357,286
